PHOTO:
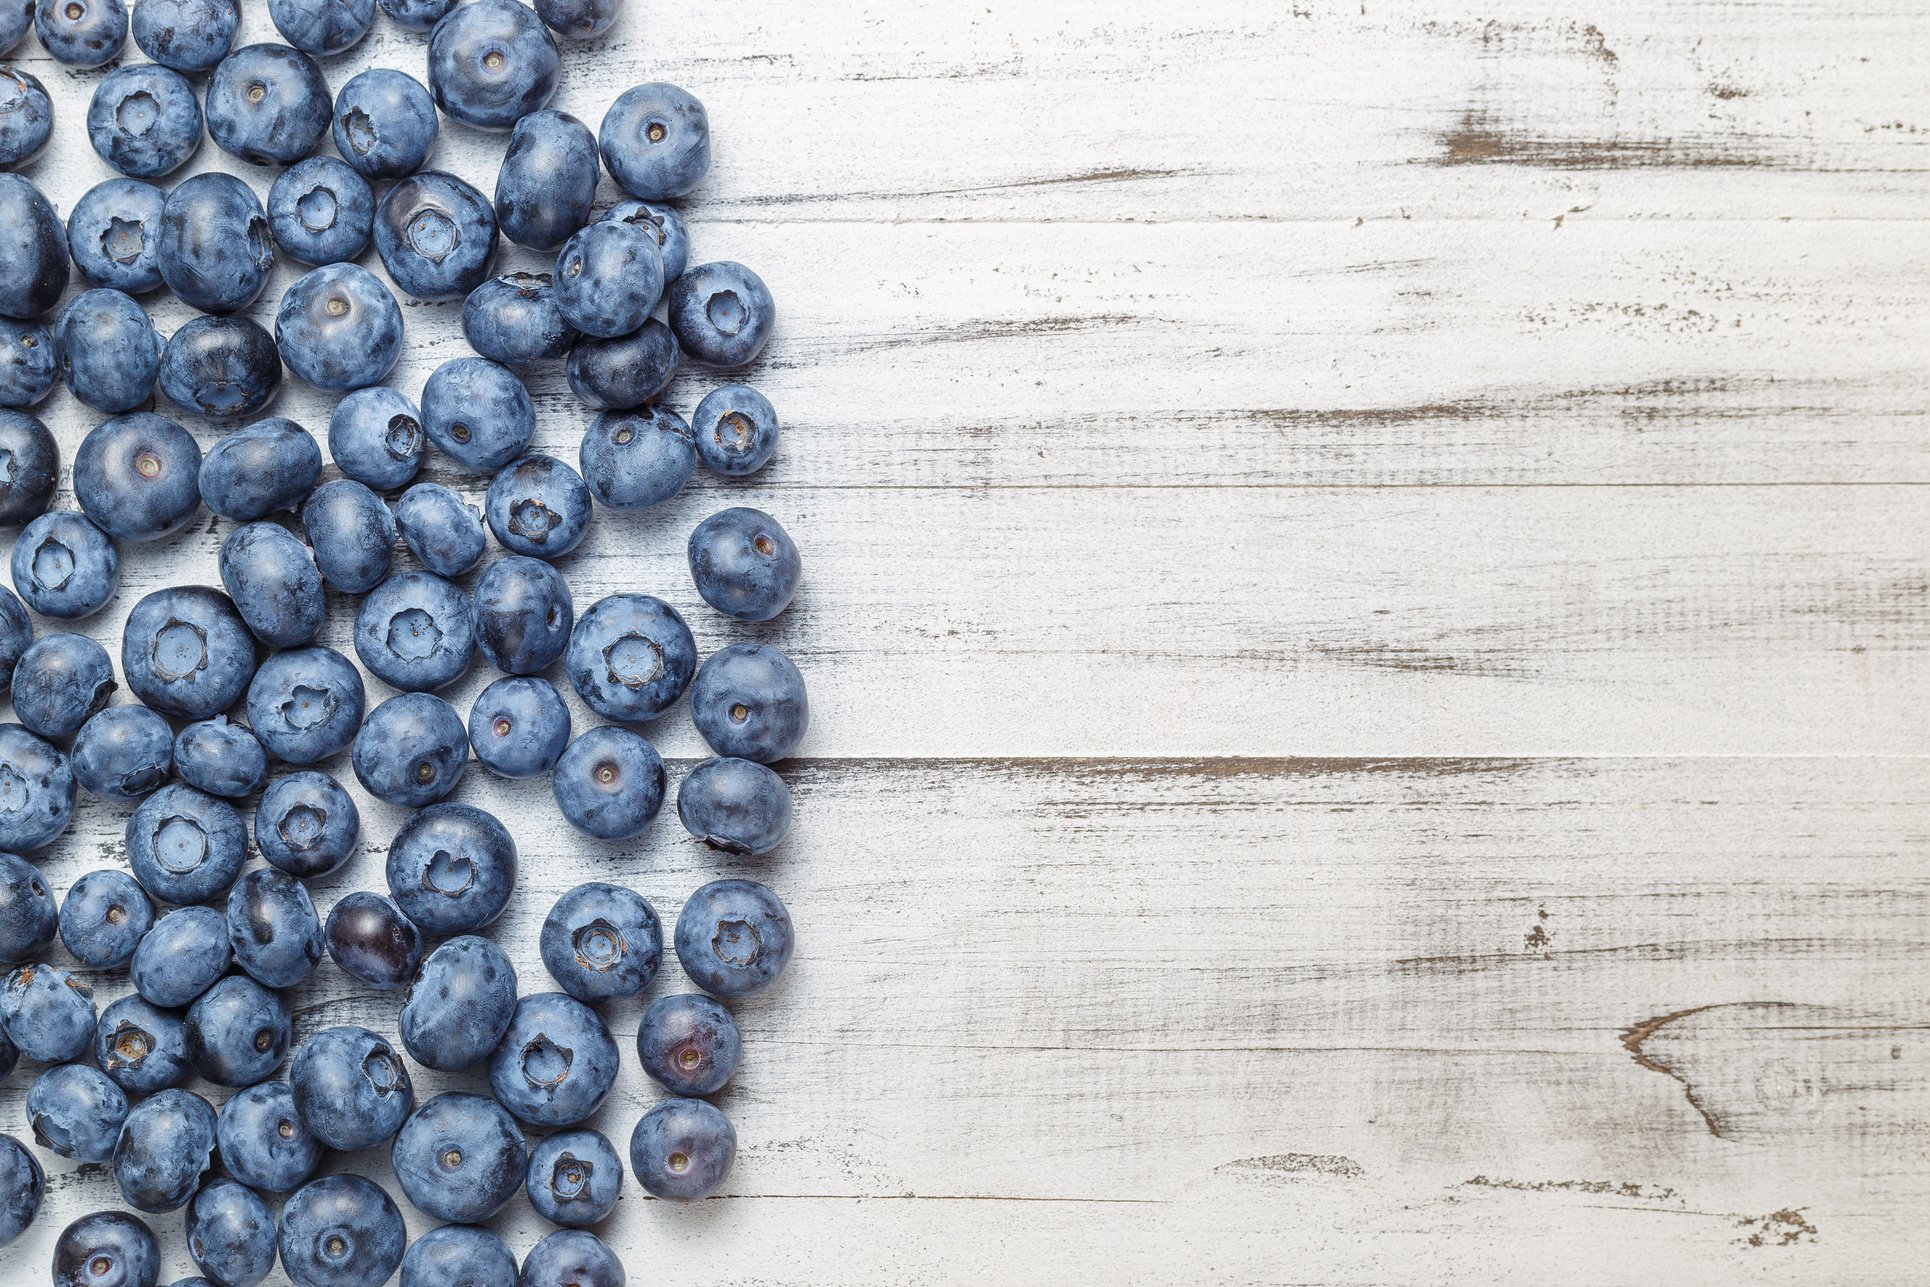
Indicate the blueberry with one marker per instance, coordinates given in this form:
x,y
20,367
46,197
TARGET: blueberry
x,y
263,1141
735,805
352,533
254,472
572,1258
682,1149
110,353
29,363
48,1013
635,459
491,63
556,1063
375,437
15,22
268,104
231,1234
22,1185
221,366
601,942
341,1231
306,704
441,529
609,783
187,35
523,615
459,1005
165,1147
76,1112
385,123
624,372
33,251
273,929
578,19
339,328
459,1157
108,1247
734,938
321,212
451,869
436,235
416,632
722,314
274,582
27,912
64,566
114,231
123,752
220,758
186,652
664,225
181,957
9,1054
458,1253
29,467
237,1031
689,1043
351,1088
748,701
744,564
736,429
519,726
547,183
61,682
144,120
81,33
102,920
574,1178
141,1046
213,249
631,657
418,15
411,751
36,790
26,116
656,141
478,412
184,846
323,28
306,824
136,476
513,319
16,634
370,938
538,506
609,276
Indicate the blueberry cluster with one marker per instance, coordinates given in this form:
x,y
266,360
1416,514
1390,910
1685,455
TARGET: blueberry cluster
x,y
231,683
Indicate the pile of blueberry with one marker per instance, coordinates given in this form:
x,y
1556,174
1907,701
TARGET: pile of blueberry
x,y
231,683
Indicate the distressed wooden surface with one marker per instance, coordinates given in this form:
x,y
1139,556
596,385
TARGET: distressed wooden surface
x,y
1366,615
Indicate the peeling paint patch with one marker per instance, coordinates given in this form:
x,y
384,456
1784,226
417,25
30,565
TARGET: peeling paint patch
x,y
1785,1228
1594,1188
1291,1166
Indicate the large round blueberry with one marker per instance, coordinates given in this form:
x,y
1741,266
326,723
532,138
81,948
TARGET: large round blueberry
x,y
370,938
141,1046
656,141
436,235
416,632
36,790
722,314
664,224
60,682
186,652
323,28
220,758
458,1253
375,437
524,616
609,276
574,1179
221,366
27,913
110,353
213,250
81,33
23,1184
114,232
254,472
736,429
635,459
411,751
15,22
48,1013
164,1149
187,35
181,957
306,824
734,938
417,15
64,566
137,476
601,942
103,918
185,846
547,183
478,413
339,328
682,1149
26,116
238,1031
459,1158
274,584
321,211
519,726
33,250
513,319
107,1246
341,1231
625,372
29,467
268,104
76,1112
263,1141
441,529
744,564
572,1258
538,506
689,1043
459,1005
579,19
123,752
556,1063
452,868
385,123
16,635
491,63
273,929
748,701
305,704
631,657
144,120
735,805
352,533
231,1233
609,783
351,1088
29,363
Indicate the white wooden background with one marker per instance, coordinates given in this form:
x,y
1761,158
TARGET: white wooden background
x,y
1367,614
